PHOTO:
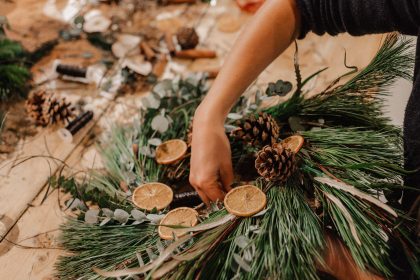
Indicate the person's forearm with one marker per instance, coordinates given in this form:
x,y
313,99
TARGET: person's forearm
x,y
268,34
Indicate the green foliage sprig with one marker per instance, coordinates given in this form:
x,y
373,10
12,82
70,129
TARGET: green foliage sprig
x,y
13,73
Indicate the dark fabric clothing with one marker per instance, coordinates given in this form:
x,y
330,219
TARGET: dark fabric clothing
x,y
360,17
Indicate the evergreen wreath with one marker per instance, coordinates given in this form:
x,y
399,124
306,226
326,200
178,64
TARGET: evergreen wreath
x,y
351,154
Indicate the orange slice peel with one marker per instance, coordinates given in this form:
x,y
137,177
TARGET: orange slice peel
x,y
152,195
176,222
171,151
245,201
293,143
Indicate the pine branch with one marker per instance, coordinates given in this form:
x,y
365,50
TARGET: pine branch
x,y
364,158
358,102
290,238
14,75
282,244
371,230
104,247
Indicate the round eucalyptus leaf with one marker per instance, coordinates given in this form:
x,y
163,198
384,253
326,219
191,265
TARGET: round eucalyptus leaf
x,y
154,141
105,221
242,241
151,102
261,213
234,116
248,256
108,212
147,151
280,88
75,204
154,218
91,216
163,88
241,262
121,216
229,128
160,123
138,215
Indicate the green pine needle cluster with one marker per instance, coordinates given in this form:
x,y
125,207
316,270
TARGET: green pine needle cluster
x,y
359,101
287,244
375,155
14,75
106,247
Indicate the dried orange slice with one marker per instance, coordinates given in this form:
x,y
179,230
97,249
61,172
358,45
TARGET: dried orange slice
x,y
171,151
183,216
245,201
293,143
152,195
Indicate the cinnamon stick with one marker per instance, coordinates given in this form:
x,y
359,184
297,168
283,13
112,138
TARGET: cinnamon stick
x,y
195,53
160,66
148,51
135,148
170,43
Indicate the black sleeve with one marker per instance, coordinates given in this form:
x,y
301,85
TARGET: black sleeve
x,y
359,17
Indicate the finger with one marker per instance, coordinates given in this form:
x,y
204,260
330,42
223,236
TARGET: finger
x,y
214,192
203,196
226,176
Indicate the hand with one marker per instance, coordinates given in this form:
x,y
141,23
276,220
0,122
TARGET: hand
x,y
211,171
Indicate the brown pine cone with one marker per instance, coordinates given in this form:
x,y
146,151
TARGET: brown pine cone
x,y
262,130
187,38
275,163
56,111
34,105
45,109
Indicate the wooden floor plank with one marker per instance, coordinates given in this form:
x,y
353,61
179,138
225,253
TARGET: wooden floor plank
x,y
38,228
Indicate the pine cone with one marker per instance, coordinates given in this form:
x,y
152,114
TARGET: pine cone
x,y
261,131
275,163
57,110
46,109
187,38
34,105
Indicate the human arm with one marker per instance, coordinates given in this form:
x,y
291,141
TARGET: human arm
x,y
268,34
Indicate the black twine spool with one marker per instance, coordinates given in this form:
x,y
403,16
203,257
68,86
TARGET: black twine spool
x,y
186,199
71,70
79,122
74,126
